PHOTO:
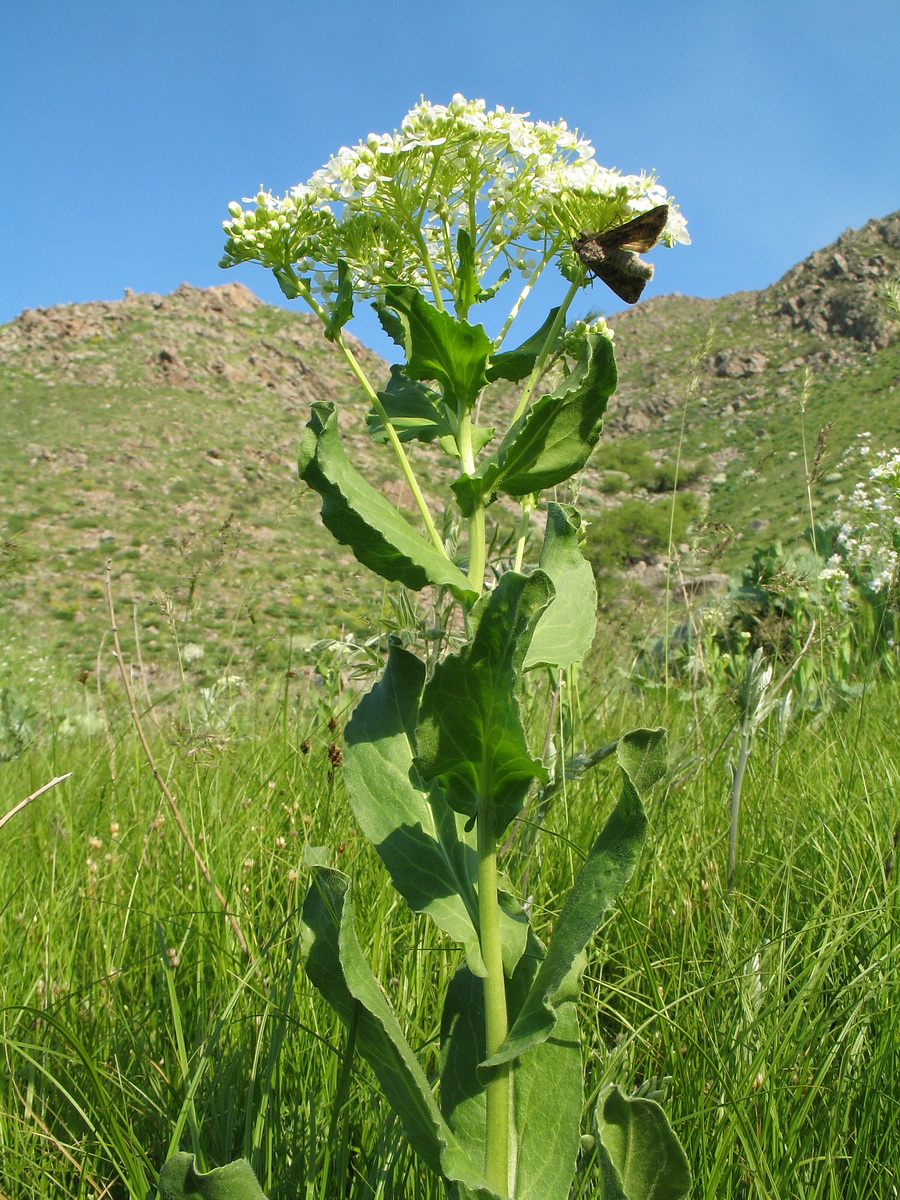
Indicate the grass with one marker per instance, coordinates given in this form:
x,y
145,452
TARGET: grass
x,y
132,1024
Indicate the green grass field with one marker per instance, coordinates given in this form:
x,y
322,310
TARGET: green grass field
x,y
133,1024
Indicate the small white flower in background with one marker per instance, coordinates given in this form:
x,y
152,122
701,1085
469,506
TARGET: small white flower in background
x,y
869,519
392,206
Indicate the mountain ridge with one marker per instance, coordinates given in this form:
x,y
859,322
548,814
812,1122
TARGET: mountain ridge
x,y
160,433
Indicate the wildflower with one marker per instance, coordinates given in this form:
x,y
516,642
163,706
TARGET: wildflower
x,y
868,539
393,206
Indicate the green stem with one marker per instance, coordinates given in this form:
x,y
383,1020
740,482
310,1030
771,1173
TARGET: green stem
x,y
536,373
477,535
523,296
527,507
498,1090
372,396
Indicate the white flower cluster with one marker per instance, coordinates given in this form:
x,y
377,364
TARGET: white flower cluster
x,y
869,536
393,206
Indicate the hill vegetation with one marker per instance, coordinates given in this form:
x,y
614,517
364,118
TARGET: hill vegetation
x,y
159,433
151,988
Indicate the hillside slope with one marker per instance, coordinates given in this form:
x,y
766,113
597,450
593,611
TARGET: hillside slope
x,y
747,378
160,433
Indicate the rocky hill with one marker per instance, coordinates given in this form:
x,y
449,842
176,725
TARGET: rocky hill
x,y
826,313
159,433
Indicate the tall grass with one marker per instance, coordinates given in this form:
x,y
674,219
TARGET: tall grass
x,y
132,1023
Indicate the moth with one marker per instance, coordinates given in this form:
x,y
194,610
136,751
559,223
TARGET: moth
x,y
613,255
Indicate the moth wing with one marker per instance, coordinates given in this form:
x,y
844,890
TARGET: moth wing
x,y
640,233
621,276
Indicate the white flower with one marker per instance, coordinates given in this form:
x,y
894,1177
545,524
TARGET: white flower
x,y
392,207
869,533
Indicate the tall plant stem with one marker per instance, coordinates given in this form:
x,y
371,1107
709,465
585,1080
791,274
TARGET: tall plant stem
x,y
477,535
498,1091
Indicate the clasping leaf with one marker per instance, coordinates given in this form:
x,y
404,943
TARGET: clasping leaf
x,y
179,1179
642,759
470,734
360,517
640,1156
567,626
553,439
430,857
336,966
437,345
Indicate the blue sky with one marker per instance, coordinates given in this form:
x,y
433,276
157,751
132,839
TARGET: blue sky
x,y
125,128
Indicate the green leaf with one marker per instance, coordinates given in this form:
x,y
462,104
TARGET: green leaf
x,y
516,364
642,758
466,279
554,439
489,292
342,309
179,1179
414,410
437,345
470,735
391,324
547,1084
335,965
640,1156
567,626
431,859
481,435
360,517
287,282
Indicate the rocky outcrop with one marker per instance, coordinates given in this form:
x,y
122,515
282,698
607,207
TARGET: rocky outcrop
x,y
195,339
730,364
838,292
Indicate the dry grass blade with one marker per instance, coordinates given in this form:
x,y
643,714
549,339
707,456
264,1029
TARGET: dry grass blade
x,y
34,795
179,821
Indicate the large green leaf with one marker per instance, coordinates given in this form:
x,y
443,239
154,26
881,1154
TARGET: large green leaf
x,y
516,364
430,857
418,412
547,1084
415,410
640,1156
554,439
470,735
336,966
641,756
360,517
567,626
179,1179
437,345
